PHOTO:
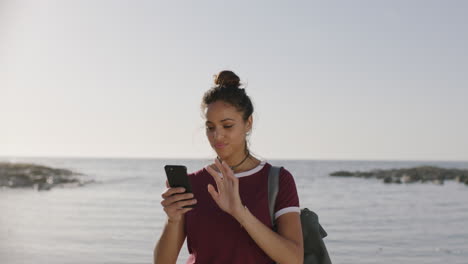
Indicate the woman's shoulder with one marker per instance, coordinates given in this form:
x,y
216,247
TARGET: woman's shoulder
x,y
286,178
283,169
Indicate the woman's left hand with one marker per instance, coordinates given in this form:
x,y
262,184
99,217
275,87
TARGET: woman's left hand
x,y
227,197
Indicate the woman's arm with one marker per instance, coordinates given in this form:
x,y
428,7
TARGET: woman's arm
x,y
283,247
168,247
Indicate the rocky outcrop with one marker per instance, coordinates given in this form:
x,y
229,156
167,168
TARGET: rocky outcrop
x,y
410,175
25,175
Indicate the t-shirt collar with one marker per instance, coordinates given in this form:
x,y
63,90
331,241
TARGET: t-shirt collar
x,y
252,171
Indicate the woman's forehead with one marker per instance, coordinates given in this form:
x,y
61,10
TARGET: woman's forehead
x,y
220,111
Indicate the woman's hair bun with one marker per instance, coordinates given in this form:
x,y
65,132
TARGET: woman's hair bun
x,y
227,89
227,78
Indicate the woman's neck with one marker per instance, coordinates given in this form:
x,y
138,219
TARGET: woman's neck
x,y
249,164
242,163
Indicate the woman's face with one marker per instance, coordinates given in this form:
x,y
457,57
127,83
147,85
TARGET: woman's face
x,y
226,130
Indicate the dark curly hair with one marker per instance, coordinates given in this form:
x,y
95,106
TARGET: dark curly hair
x,y
227,89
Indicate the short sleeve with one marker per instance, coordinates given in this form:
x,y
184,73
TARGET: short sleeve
x,y
287,200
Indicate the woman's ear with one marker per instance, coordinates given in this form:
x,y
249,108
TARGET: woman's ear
x,y
249,124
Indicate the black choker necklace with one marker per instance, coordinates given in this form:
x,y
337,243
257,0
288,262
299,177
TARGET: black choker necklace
x,y
240,163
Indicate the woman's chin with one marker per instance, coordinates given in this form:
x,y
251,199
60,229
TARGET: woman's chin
x,y
222,154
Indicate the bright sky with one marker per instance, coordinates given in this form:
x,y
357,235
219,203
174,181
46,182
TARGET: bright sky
x,y
329,79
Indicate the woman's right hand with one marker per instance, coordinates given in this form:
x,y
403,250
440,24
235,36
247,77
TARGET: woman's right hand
x,y
173,203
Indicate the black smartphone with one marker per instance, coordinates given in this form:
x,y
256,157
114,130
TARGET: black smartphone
x,y
177,177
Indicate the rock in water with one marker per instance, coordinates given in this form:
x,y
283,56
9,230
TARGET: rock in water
x,y
21,175
410,175
342,173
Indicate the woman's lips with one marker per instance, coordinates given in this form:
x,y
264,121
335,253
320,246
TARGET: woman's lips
x,y
220,145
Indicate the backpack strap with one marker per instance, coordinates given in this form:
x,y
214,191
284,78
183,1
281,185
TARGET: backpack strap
x,y
315,250
273,186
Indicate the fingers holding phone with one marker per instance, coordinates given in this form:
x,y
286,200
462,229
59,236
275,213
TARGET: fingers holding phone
x,y
175,202
178,198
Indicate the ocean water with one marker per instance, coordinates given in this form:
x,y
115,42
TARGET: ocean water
x,y
119,218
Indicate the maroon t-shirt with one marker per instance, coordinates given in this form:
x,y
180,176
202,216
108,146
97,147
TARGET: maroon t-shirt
x,y
214,236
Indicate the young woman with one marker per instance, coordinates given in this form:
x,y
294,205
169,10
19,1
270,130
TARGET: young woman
x,y
231,221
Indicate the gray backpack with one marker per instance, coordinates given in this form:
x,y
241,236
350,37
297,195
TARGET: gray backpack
x,y
315,251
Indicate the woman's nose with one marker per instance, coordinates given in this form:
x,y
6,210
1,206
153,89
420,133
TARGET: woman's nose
x,y
218,134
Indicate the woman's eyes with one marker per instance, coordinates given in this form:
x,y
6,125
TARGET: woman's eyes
x,y
226,127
